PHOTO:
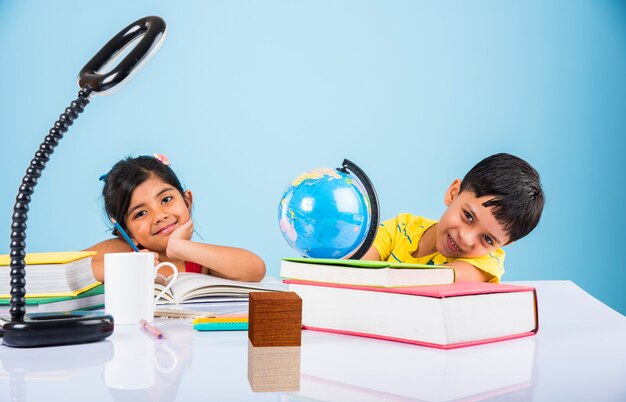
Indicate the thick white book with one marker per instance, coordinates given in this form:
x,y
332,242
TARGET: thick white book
x,y
445,316
365,273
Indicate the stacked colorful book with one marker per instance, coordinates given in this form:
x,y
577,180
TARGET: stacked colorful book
x,y
55,282
404,303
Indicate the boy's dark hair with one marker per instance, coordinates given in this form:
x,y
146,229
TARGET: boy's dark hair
x,y
517,195
125,176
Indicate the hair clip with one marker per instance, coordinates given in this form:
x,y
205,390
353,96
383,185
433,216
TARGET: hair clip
x,y
103,177
162,158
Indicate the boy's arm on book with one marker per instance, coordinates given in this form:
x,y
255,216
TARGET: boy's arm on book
x,y
466,272
226,262
108,246
372,254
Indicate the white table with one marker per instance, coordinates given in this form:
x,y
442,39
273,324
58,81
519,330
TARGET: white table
x,y
579,354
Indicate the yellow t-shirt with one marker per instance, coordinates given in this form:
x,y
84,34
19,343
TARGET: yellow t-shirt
x,y
397,239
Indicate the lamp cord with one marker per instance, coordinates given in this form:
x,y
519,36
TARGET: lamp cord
x,y
20,209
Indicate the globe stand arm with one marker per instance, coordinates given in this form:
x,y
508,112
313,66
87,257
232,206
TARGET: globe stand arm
x,y
346,167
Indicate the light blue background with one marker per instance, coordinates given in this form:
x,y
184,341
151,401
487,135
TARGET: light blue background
x,y
245,95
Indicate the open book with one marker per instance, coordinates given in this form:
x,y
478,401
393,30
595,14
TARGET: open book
x,y
193,287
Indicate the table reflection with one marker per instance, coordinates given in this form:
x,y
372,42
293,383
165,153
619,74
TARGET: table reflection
x,y
274,369
341,368
22,366
146,368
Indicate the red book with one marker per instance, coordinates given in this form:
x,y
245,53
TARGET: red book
x,y
443,316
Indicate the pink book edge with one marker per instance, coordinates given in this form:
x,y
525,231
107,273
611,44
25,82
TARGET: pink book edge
x,y
431,345
437,291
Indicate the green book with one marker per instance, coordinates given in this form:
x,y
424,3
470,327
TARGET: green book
x,y
90,299
365,272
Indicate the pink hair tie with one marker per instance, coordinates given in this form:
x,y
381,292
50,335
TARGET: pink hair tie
x,y
162,158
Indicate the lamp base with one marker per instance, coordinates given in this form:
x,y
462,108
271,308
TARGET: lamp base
x,y
53,329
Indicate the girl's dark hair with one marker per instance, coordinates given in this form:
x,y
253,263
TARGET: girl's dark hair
x,y
125,176
516,190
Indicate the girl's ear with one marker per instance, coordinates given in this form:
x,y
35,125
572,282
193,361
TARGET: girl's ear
x,y
452,192
188,196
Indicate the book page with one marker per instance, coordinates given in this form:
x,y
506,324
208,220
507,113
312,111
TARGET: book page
x,y
160,282
190,284
162,279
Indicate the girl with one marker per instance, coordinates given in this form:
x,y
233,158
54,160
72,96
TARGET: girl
x,y
146,198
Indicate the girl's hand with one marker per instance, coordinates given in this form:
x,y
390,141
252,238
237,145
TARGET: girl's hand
x,y
184,231
179,236
156,255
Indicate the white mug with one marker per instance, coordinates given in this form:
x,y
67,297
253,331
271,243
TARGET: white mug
x,y
129,286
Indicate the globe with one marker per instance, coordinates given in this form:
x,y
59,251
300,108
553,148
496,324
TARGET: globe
x,y
326,213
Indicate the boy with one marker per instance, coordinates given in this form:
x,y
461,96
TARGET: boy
x,y
499,201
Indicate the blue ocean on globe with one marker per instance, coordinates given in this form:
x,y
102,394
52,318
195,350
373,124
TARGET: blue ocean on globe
x,y
324,213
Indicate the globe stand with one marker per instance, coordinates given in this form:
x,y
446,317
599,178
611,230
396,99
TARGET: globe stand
x,y
70,328
347,167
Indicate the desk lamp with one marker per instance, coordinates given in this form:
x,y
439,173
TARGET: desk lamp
x,y
49,329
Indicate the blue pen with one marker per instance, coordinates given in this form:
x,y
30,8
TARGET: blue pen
x,y
124,234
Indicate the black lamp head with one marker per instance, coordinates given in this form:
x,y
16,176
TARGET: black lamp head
x,y
150,33
62,328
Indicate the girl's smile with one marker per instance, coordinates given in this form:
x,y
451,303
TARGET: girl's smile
x,y
166,230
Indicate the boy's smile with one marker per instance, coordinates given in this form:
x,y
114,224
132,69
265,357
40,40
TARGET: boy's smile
x,y
155,210
467,228
452,245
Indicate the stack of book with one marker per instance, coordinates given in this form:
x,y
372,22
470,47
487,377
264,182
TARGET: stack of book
x,y
55,282
411,303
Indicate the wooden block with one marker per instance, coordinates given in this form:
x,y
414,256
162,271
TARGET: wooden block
x,y
275,319
274,369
